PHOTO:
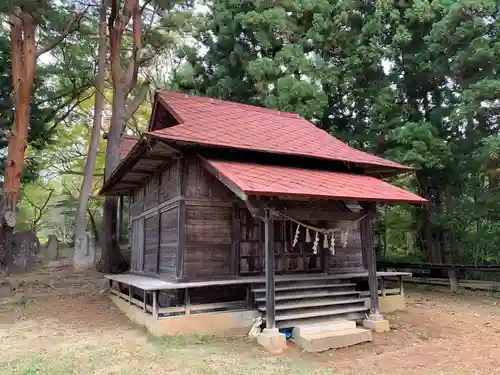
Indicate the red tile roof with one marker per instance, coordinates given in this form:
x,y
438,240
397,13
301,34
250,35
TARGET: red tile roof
x,y
258,179
129,142
227,124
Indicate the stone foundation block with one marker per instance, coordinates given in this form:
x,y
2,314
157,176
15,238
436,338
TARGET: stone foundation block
x,y
272,340
323,327
377,326
318,342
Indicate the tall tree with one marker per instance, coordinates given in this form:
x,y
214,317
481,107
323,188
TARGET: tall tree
x,y
79,255
25,16
129,52
416,81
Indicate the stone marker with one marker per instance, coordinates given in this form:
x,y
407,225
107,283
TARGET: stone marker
x,y
53,248
25,247
84,256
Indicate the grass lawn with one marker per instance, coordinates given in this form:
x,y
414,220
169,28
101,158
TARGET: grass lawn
x,y
75,329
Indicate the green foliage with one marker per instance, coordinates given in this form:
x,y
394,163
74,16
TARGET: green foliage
x,y
413,81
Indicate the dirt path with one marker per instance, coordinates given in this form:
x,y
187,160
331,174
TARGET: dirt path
x,y
81,332
437,334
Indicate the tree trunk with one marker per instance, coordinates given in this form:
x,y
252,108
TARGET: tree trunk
x,y
93,226
80,257
23,27
124,81
112,260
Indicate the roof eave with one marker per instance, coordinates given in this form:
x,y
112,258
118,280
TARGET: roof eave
x,y
378,169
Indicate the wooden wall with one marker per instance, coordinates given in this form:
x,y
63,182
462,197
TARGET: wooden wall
x,y
349,258
154,215
187,225
250,241
208,215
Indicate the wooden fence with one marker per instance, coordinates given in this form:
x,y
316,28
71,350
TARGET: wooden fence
x,y
450,270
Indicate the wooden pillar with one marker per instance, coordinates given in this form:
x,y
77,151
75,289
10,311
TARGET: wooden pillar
x,y
401,289
269,266
155,304
366,227
187,302
452,276
119,219
145,301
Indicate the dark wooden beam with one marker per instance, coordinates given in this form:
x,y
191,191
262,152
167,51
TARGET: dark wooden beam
x,y
141,172
129,182
119,221
181,218
269,260
367,240
155,157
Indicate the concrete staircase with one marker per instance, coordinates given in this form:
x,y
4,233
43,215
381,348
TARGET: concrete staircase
x,y
312,299
334,335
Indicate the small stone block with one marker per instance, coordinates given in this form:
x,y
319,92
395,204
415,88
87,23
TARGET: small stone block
x,y
377,326
323,327
272,340
322,341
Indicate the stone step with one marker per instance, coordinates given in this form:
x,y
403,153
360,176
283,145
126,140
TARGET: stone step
x,y
283,296
321,341
354,316
312,313
328,326
290,305
301,287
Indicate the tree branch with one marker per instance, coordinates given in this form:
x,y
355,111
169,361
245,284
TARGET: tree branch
x,y
134,104
70,109
133,66
41,209
116,26
75,20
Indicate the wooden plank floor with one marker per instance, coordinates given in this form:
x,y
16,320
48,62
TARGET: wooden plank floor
x,y
151,283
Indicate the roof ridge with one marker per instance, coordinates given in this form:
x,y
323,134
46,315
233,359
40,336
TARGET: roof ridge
x,y
216,101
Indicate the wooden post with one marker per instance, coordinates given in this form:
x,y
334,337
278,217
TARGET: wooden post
x,y
145,310
401,290
382,286
249,297
130,294
269,266
119,221
155,304
452,276
366,227
187,302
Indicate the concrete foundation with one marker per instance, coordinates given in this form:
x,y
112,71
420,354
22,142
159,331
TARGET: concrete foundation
x,y
377,326
228,323
272,340
392,303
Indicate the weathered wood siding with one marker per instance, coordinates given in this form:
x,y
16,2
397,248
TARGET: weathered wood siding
x,y
137,245
154,222
349,258
208,224
169,242
208,246
250,241
199,183
151,244
169,182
